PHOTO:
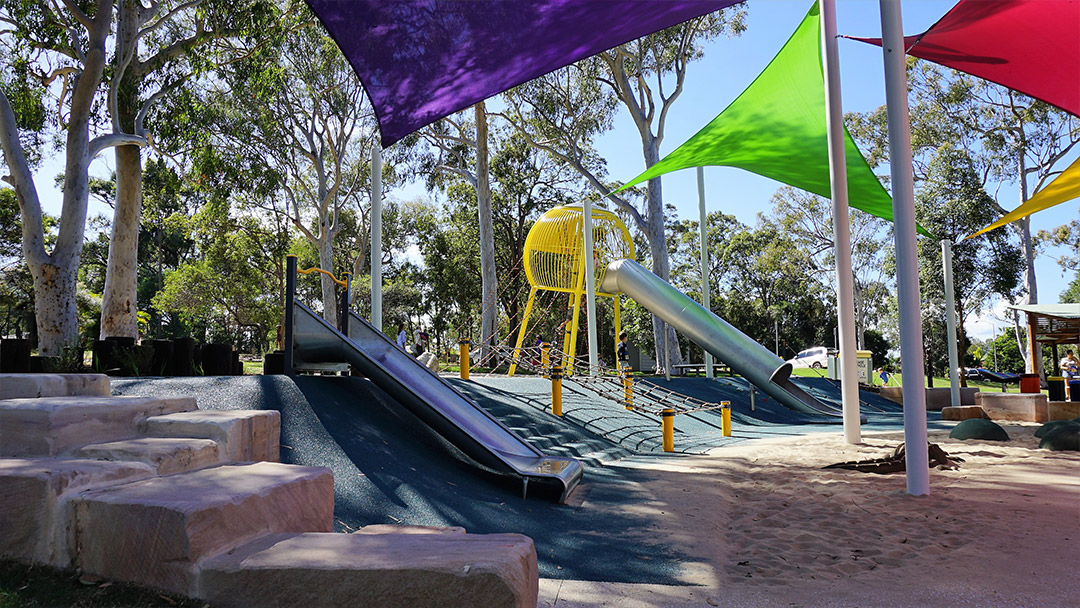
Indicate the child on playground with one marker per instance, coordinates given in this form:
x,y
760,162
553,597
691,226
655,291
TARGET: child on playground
x,y
884,375
622,351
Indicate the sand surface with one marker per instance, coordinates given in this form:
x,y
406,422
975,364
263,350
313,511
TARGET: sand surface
x,y
765,525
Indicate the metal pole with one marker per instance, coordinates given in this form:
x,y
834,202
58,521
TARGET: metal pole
x,y
290,295
907,264
667,354
590,284
704,259
994,345
950,323
845,290
376,237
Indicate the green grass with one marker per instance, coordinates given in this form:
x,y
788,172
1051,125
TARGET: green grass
x,y
27,586
896,379
252,368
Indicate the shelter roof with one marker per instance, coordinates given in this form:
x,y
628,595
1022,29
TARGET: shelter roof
x,y
1054,323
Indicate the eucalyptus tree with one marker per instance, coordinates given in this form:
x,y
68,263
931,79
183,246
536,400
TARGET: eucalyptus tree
x,y
1010,139
1066,235
292,117
807,218
523,183
159,45
461,149
60,56
563,111
952,204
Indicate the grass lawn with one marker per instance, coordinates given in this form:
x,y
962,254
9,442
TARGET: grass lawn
x,y
26,586
939,382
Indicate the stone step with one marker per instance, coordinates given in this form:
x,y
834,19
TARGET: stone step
x,y
52,426
34,523
31,386
155,531
244,435
166,454
391,570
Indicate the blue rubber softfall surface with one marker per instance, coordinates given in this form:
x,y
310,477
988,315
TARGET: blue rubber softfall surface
x,y
390,468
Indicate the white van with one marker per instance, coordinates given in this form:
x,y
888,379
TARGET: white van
x,y
816,357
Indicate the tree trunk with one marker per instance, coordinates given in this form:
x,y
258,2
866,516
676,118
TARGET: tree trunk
x,y
54,303
1027,248
658,251
119,303
488,280
329,295
55,274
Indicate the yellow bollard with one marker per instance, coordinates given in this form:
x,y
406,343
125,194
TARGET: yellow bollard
x,y
545,359
556,390
668,417
628,388
725,417
464,359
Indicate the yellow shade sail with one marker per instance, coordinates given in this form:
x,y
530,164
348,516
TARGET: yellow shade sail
x,y
1062,190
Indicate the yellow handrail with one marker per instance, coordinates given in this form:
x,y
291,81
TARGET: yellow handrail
x,y
327,273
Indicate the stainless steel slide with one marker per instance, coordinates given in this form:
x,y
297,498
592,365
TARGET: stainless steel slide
x,y
742,354
456,417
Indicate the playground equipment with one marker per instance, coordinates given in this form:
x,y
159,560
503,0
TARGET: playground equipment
x,y
554,261
309,339
742,354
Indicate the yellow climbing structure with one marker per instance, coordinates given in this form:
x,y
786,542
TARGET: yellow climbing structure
x,y
554,261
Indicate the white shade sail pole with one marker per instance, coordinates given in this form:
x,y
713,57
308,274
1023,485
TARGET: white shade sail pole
x,y
845,292
376,236
590,284
704,258
950,323
907,264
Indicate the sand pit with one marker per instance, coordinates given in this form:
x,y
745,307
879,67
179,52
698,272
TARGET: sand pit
x,y
766,526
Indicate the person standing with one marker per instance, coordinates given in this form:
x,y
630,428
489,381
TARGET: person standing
x,y
402,337
1070,366
622,351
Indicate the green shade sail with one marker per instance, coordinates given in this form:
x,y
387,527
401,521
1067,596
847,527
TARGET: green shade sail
x,y
776,128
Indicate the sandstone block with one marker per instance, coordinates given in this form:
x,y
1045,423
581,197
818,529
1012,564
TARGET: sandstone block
x,y
394,529
155,531
244,435
385,570
51,426
1030,407
33,491
1062,410
936,397
31,386
964,412
166,455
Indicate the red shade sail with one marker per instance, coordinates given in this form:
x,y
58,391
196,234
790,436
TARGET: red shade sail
x,y
1031,46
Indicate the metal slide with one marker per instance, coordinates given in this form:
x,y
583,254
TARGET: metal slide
x,y
742,354
456,417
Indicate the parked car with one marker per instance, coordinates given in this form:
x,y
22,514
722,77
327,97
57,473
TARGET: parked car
x,y
816,357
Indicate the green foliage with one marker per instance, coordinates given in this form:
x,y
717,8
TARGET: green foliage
x,y
952,204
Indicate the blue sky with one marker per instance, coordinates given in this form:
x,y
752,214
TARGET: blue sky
x,y
729,65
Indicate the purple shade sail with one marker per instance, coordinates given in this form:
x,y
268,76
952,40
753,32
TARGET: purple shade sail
x,y
421,60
